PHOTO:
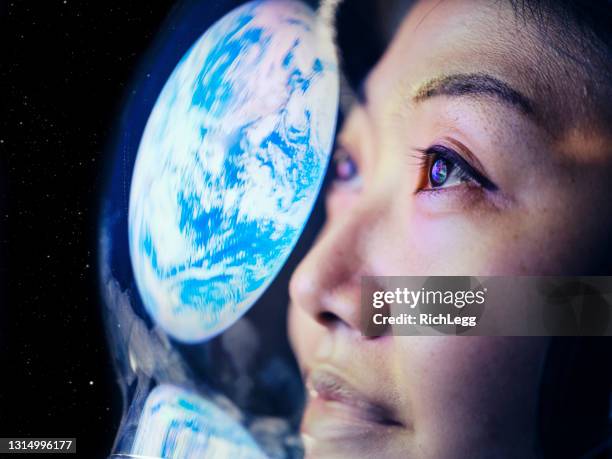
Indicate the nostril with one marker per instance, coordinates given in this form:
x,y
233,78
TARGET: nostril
x,y
327,318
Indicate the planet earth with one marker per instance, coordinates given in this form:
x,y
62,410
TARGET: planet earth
x,y
230,163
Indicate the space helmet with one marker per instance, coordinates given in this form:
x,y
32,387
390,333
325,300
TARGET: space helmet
x,y
221,150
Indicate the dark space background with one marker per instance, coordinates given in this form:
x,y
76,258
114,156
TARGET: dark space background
x,y
68,68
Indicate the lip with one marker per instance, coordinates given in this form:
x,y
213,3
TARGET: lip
x,y
337,409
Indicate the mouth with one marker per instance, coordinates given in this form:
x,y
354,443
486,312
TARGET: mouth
x,y
336,410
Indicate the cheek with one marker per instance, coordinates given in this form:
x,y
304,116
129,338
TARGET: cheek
x,y
487,384
412,243
474,244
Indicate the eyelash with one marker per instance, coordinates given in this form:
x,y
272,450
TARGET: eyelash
x,y
427,157
466,173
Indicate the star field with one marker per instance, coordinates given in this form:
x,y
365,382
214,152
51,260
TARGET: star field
x,y
65,73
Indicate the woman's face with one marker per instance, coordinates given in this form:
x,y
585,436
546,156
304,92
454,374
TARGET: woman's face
x,y
466,156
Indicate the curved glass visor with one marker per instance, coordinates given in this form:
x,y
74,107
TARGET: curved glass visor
x,y
230,163
222,181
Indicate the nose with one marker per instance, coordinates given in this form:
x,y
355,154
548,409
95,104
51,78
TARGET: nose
x,y
327,283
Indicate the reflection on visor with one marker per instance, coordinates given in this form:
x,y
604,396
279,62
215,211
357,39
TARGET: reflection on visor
x,y
230,163
225,176
177,424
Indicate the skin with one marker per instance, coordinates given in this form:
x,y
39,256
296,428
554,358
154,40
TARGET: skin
x,y
450,397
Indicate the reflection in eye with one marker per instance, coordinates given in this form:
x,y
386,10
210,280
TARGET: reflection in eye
x,y
345,169
439,172
446,168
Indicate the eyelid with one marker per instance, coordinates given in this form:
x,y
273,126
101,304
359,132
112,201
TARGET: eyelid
x,y
464,151
458,160
340,152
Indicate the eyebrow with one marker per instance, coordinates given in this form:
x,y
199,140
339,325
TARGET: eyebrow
x,y
475,84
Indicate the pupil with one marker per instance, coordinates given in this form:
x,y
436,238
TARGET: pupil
x,y
439,172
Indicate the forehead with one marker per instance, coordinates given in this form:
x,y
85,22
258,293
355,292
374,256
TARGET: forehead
x,y
438,38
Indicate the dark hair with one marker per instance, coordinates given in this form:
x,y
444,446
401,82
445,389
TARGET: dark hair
x,y
574,406
580,34
589,21
576,386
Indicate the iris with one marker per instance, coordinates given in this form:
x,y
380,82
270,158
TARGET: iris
x,y
439,172
345,168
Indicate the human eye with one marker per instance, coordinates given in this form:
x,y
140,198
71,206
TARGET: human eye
x,y
345,170
446,168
